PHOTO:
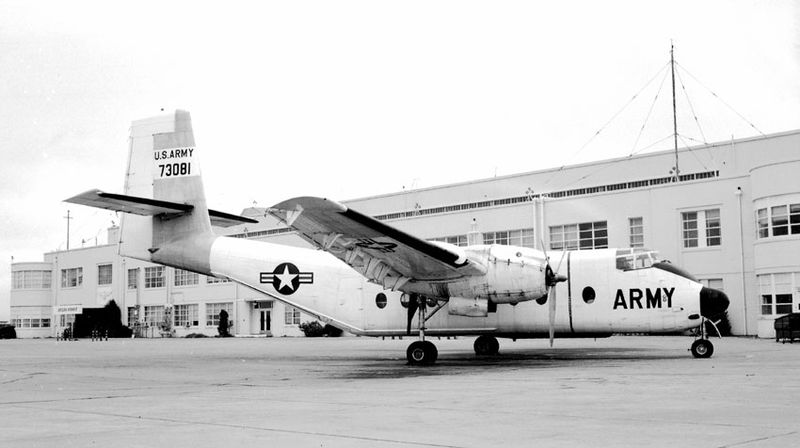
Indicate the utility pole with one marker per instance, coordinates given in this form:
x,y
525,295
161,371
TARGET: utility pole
x,y
674,113
68,218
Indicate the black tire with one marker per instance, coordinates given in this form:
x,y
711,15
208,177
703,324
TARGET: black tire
x,y
702,348
486,345
421,353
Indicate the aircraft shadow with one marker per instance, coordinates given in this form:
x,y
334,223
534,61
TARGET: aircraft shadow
x,y
469,363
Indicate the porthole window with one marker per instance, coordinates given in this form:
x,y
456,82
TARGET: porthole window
x,y
431,302
542,300
380,300
404,299
588,294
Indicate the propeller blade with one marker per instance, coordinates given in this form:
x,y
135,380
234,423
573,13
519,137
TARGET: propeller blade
x,y
558,268
413,305
551,303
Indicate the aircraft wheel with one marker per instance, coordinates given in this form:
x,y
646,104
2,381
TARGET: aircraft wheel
x,y
422,353
486,345
702,348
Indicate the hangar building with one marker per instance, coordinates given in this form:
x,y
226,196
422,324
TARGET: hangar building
x,y
732,218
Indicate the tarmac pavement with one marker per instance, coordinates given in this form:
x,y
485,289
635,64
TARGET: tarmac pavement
x,y
359,392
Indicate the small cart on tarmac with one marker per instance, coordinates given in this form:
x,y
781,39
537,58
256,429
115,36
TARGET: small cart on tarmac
x,y
787,328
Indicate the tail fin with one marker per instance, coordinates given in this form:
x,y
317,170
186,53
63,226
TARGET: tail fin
x,y
163,165
166,219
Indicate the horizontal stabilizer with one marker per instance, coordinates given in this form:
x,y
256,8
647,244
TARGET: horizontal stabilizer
x,y
222,219
150,207
128,204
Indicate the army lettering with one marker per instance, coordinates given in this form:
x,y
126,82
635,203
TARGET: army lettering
x,y
647,299
173,162
173,153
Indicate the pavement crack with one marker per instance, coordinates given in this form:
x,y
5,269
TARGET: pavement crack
x,y
25,377
760,439
257,428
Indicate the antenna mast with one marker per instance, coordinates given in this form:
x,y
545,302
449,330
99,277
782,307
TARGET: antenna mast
x,y
674,113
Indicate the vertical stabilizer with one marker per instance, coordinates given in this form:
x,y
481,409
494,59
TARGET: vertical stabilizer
x,y
163,164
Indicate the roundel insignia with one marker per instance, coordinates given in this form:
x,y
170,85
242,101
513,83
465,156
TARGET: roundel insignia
x,y
286,278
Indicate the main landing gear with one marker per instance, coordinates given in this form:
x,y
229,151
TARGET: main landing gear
x,y
486,345
702,347
421,352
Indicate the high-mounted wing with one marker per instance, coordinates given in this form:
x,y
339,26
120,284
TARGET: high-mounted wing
x,y
380,252
150,207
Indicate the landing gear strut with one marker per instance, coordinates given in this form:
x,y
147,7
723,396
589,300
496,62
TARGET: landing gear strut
x,y
702,347
486,345
421,352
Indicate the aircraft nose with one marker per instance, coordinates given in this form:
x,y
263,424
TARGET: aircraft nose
x,y
713,302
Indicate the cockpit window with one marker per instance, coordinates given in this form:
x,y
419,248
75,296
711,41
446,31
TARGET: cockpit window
x,y
635,258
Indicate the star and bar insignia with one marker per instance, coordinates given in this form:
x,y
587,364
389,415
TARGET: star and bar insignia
x,y
286,278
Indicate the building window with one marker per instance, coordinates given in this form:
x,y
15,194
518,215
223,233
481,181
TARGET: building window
x,y
636,226
781,219
713,228
457,240
212,312
104,273
133,278
133,315
31,280
762,223
776,292
582,236
522,237
186,315
794,219
564,237
71,278
709,221
689,229
154,277
27,322
213,280
291,315
154,315
186,278
713,283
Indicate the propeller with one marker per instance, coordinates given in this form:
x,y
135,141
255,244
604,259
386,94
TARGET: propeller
x,y
551,279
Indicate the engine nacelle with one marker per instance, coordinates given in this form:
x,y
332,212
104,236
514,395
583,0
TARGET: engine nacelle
x,y
514,275
475,307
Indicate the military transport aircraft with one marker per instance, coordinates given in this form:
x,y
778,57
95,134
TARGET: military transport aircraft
x,y
372,279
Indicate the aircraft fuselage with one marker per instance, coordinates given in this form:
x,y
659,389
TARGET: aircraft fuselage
x,y
598,297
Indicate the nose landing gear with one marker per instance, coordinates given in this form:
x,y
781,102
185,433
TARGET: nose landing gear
x,y
702,347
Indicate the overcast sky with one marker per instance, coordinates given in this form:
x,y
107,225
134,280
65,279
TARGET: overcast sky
x,y
346,99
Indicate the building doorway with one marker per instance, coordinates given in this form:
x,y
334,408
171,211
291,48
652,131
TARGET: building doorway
x,y
265,322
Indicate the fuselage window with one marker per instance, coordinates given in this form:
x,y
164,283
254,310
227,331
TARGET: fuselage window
x,y
588,294
380,300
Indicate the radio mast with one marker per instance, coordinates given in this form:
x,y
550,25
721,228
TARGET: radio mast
x,y
674,112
